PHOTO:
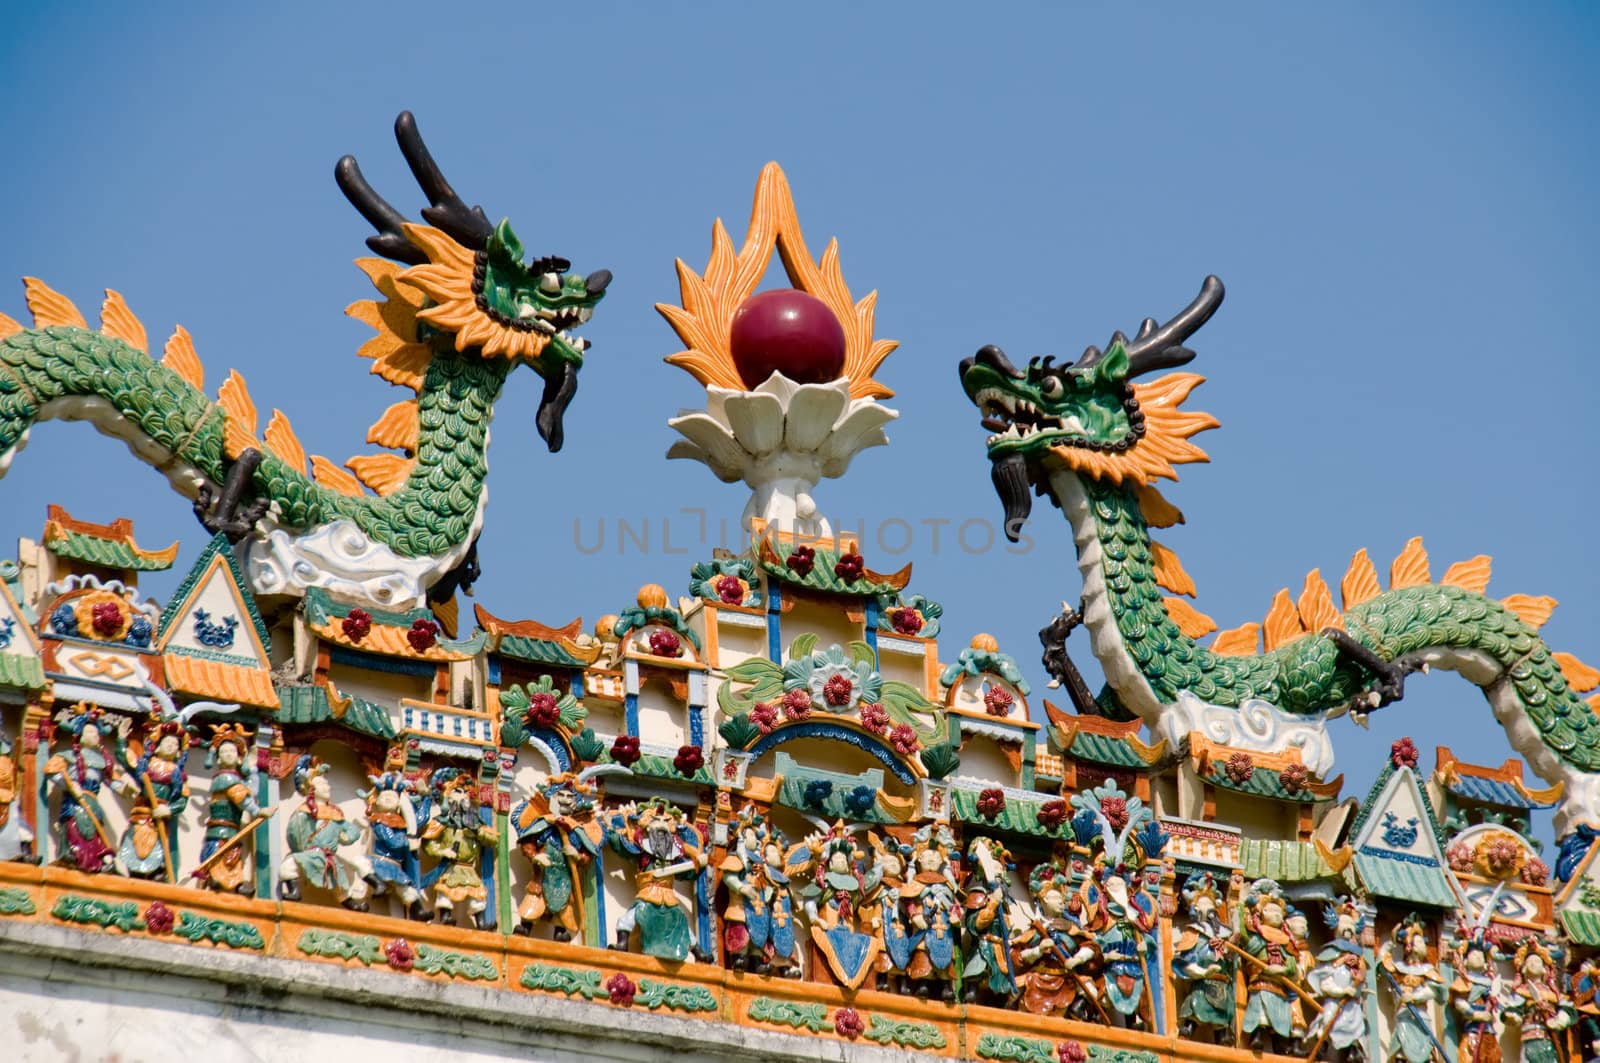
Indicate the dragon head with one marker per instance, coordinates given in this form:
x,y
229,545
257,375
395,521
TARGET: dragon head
x,y
1090,416
469,286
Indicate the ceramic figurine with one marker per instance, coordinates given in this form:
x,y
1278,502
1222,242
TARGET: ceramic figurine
x,y
1475,999
1415,985
843,902
1585,990
1338,978
890,866
159,791
921,918
1055,955
16,840
667,847
987,924
1123,919
456,836
1201,957
1273,1014
80,773
315,835
231,808
758,926
392,817
557,830
1536,1002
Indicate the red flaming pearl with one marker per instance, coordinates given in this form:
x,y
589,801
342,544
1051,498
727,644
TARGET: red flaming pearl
x,y
786,331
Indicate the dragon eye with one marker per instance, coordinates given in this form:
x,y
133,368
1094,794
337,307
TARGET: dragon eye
x,y
1051,387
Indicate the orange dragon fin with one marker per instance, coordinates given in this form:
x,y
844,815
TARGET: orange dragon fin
x,y
1283,621
1360,582
50,307
283,443
118,322
1169,571
179,357
1533,610
1469,575
1410,569
239,432
1315,606
1191,621
1241,641
384,473
334,478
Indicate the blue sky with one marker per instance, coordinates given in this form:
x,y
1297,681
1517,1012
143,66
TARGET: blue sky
x,y
1397,196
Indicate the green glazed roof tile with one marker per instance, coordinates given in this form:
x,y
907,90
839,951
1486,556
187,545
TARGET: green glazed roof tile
x,y
1413,881
309,704
24,673
107,553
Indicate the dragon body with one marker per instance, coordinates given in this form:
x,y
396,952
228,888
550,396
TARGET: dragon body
x,y
459,309
1094,441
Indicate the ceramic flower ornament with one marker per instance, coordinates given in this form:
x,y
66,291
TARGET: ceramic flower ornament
x,y
790,396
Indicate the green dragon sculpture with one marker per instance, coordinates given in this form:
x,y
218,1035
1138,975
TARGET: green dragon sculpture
x,y
460,308
1094,440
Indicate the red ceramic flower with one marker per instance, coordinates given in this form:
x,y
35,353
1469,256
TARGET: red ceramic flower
x,y
1403,753
1052,814
849,567
1459,857
1071,1052
1499,854
400,953
801,561
837,691
356,625
991,802
1295,777
620,988
764,716
797,703
1115,809
1536,872
158,918
1239,767
997,701
730,589
664,643
543,709
689,760
106,618
906,621
874,717
423,634
625,750
847,1023
904,739
730,770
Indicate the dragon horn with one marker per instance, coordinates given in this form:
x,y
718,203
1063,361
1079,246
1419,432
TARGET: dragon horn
x,y
391,240
1163,348
467,226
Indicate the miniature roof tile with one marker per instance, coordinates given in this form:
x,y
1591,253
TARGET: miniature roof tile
x,y
1099,740
106,545
1410,880
1265,777
536,643
1292,861
21,673
389,633
1020,815
322,704
218,680
20,665
1502,786
1582,926
820,576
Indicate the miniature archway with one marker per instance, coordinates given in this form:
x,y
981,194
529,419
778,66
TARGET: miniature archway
x,y
837,733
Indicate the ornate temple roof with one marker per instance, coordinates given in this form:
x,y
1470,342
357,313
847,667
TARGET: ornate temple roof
x,y
536,643
1502,787
105,545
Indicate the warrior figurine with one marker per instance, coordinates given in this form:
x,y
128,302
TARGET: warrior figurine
x,y
557,831
231,805
1339,978
919,925
666,847
758,916
1054,954
456,836
16,840
1586,1002
395,842
81,772
1536,1002
1475,999
1201,957
1416,986
1123,919
987,924
314,835
158,788
1272,993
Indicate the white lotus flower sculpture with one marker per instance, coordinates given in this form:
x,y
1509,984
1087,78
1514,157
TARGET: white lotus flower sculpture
x,y
781,439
